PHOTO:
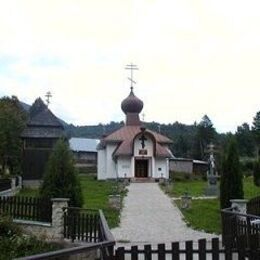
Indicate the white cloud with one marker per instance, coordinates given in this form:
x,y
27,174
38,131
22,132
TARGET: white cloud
x,y
195,57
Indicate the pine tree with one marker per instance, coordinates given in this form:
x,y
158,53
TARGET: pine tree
x,y
256,173
231,183
205,135
256,132
60,178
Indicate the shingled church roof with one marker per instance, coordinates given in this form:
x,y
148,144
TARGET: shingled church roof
x,y
42,122
125,136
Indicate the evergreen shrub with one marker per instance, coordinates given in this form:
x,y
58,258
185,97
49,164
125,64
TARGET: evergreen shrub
x,y
231,182
60,178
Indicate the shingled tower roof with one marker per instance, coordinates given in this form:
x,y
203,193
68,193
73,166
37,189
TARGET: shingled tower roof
x,y
42,122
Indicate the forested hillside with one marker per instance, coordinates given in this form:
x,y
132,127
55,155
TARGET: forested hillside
x,y
189,141
185,137
182,135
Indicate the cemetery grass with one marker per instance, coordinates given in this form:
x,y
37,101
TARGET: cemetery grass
x,y
196,188
95,195
28,192
205,213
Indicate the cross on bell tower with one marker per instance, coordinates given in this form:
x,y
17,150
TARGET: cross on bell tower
x,y
131,67
48,96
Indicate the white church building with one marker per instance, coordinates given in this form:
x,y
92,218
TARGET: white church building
x,y
133,151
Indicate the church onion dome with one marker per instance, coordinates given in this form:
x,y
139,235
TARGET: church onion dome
x,y
132,104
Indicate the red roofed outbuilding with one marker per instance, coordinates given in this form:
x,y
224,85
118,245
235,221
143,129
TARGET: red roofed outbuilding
x,y
133,151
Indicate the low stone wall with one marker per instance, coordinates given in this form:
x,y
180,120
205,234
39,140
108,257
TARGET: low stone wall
x,y
49,231
6,193
39,229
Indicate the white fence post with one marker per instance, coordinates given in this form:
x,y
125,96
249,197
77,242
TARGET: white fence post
x,y
13,186
58,216
240,205
20,182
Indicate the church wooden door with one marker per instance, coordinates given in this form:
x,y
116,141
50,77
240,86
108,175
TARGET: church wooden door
x,y
141,168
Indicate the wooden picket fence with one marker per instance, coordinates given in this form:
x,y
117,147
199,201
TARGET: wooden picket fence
x,y
81,224
240,230
253,206
189,251
26,208
5,184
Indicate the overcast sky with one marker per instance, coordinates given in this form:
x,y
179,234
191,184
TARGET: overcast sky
x,y
194,58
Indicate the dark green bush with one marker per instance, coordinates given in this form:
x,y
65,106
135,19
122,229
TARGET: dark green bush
x,y
23,245
7,227
15,244
179,176
247,167
183,176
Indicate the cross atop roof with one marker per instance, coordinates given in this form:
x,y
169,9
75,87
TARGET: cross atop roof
x,y
143,116
48,96
131,67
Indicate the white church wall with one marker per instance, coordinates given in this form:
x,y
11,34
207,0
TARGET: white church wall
x,y
124,167
161,168
111,172
148,147
101,167
132,166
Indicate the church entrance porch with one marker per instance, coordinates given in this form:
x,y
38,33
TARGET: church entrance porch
x,y
141,168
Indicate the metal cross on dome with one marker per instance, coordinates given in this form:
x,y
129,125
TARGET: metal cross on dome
x,y
131,67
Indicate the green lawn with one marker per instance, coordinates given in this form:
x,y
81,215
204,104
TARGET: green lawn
x,y
95,195
196,188
250,190
205,214
26,192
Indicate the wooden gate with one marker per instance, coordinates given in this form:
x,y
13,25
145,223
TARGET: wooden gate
x,y
81,224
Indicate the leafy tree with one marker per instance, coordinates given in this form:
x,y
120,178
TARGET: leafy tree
x,y
60,179
256,132
231,184
245,140
12,122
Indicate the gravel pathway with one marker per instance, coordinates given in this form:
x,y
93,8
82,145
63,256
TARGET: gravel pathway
x,y
149,216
